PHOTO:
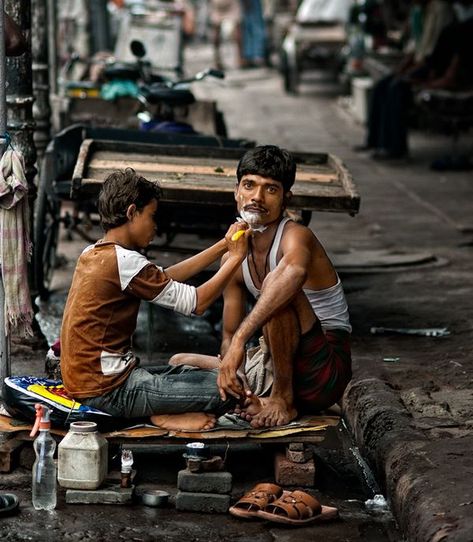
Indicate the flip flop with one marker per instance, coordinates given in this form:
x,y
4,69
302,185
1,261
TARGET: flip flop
x,y
255,500
297,508
9,504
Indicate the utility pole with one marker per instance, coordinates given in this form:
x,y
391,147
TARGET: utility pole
x,y
19,84
39,49
4,342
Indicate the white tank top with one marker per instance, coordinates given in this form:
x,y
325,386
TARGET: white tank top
x,y
329,305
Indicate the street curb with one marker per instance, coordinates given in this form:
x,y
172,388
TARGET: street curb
x,y
405,463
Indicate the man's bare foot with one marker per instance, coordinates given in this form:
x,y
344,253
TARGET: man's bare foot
x,y
251,406
188,421
274,412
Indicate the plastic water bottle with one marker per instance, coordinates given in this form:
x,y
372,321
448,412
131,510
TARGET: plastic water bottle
x,y
44,467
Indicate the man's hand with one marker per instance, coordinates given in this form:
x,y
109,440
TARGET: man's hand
x,y
227,381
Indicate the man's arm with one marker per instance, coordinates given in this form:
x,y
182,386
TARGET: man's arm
x,y
234,305
279,288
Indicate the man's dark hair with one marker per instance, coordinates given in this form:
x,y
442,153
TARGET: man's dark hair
x,y
269,161
120,190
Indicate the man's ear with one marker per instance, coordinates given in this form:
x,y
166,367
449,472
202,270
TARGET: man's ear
x,y
287,198
130,212
235,193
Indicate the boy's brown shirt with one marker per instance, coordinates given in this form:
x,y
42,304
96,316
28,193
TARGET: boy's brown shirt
x,y
101,313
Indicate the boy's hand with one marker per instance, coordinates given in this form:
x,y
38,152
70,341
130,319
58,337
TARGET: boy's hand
x,y
237,239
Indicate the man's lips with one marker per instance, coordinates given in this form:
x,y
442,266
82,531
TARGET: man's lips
x,y
253,209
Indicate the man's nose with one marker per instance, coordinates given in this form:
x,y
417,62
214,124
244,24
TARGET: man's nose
x,y
258,194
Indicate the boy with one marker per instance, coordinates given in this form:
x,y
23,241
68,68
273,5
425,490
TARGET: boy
x,y
300,304
111,278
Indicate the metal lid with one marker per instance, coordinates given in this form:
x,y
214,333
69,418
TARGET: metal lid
x,y
83,427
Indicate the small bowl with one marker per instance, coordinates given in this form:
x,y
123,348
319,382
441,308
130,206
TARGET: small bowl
x,y
155,497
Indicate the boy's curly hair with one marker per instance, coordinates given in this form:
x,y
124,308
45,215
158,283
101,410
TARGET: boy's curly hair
x,y
121,189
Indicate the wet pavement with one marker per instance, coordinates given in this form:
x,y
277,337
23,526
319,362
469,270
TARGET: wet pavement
x,y
419,405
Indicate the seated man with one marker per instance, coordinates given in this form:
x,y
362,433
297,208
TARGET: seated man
x,y
300,303
111,278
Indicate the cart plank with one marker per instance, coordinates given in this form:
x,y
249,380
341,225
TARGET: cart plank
x,y
207,175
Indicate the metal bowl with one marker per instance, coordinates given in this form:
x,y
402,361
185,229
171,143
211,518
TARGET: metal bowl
x,y
155,497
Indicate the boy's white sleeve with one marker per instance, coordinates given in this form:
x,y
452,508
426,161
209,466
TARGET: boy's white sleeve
x,y
177,296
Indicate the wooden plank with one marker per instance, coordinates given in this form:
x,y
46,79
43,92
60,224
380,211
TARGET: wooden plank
x,y
102,167
206,176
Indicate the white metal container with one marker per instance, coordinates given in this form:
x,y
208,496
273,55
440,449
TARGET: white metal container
x,y
82,457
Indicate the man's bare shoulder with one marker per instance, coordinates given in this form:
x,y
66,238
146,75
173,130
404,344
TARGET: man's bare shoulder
x,y
297,234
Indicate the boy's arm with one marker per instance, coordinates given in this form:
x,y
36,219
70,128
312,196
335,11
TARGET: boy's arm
x,y
186,269
280,287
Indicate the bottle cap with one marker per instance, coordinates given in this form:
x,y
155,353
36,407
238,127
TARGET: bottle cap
x,y
42,421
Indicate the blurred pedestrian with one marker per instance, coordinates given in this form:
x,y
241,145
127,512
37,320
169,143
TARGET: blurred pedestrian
x,y
389,106
225,12
253,34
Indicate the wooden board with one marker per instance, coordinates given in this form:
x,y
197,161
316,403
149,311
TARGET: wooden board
x,y
206,175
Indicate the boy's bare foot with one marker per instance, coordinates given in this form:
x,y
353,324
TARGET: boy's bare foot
x,y
196,360
274,412
251,406
188,421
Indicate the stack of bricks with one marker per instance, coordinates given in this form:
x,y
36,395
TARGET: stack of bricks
x,y
203,491
296,467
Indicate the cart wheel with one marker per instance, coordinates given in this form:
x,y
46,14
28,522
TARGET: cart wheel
x,y
289,73
46,234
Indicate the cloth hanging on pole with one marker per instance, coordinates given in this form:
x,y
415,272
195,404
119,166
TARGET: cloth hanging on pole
x,y
15,244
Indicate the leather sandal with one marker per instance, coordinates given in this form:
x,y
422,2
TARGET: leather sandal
x,y
297,508
255,500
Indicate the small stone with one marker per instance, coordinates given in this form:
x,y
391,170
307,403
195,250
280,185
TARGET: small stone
x,y
109,494
204,482
202,502
299,456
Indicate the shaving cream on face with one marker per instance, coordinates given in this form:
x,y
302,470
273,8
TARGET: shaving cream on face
x,y
252,220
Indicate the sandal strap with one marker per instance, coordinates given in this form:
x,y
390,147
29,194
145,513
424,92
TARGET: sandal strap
x,y
295,505
260,496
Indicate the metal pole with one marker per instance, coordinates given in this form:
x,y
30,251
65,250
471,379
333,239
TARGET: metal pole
x,y
54,99
39,48
4,342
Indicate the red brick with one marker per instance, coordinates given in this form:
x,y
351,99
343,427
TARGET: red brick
x,y
288,473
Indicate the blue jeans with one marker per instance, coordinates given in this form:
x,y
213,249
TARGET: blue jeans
x,y
388,115
253,30
163,390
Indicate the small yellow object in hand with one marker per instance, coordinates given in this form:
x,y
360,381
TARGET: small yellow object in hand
x,y
237,235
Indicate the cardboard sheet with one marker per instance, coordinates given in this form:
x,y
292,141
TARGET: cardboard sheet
x,y
304,425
